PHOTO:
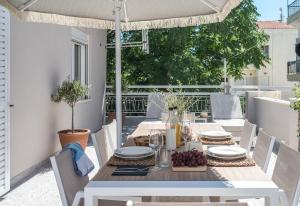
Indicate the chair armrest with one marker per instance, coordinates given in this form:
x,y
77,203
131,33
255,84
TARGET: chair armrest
x,y
283,198
79,195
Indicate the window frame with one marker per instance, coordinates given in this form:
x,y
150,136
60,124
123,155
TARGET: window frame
x,y
80,39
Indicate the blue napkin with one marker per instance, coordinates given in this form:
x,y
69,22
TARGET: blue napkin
x,y
81,162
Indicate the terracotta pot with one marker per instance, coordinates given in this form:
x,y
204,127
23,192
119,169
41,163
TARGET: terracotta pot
x,y
80,135
112,116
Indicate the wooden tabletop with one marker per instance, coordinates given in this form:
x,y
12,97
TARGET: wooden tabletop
x,y
253,173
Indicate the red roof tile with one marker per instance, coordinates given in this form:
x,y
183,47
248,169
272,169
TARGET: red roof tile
x,y
274,25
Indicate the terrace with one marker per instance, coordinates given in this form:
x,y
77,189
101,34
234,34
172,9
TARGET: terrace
x,y
177,144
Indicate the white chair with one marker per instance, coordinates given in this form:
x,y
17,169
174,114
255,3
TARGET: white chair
x,y
286,176
71,185
155,106
226,110
185,204
263,149
105,142
261,154
247,136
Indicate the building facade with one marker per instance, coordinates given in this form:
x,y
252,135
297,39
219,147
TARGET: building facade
x,y
41,57
280,49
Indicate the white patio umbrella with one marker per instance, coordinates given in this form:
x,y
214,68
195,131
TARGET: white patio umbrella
x,y
121,15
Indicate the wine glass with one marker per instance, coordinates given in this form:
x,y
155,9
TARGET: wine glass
x,y
155,142
186,131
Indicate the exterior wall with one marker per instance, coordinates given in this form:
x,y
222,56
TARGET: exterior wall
x,y
40,61
278,119
250,98
281,50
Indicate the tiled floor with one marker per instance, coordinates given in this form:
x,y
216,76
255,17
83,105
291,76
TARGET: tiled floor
x,y
41,188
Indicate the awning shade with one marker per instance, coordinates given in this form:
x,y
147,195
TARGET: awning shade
x,y
141,14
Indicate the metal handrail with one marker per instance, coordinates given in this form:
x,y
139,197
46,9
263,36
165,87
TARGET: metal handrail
x,y
293,7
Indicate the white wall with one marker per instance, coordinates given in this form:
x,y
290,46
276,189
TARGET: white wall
x,y
40,61
281,50
278,119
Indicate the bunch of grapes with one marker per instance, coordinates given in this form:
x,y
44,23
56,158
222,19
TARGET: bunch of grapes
x,y
192,158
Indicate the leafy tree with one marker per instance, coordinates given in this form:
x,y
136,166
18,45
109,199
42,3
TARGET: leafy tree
x,y
194,55
70,92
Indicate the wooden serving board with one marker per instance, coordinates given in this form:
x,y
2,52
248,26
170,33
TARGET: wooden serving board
x,y
190,169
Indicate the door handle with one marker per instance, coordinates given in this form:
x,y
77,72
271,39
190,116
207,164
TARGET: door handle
x,y
11,105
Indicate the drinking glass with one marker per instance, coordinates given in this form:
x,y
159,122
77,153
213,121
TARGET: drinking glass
x,y
186,131
155,142
164,153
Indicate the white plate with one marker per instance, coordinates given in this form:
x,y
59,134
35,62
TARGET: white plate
x,y
227,151
226,158
133,157
216,134
133,151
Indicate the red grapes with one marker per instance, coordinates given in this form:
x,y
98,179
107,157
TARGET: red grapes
x,y
192,158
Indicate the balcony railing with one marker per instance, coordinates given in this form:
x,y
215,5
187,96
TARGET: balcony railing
x,y
293,70
134,102
293,7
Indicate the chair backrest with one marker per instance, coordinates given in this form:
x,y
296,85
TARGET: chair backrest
x,y
286,173
155,106
67,181
247,136
263,149
105,142
224,106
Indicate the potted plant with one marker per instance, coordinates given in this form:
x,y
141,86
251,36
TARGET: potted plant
x,y
71,92
112,115
295,104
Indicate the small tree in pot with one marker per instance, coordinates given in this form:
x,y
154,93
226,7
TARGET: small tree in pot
x,y
71,92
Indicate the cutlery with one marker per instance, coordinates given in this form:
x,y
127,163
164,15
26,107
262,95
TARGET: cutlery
x,y
131,169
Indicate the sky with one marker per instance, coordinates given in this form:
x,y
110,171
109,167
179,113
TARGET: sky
x,y
269,9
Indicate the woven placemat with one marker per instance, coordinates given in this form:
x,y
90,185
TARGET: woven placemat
x,y
206,141
243,162
115,161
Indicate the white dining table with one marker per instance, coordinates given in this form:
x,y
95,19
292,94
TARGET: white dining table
x,y
243,182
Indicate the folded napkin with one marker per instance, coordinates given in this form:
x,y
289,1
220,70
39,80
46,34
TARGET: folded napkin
x,y
81,162
131,171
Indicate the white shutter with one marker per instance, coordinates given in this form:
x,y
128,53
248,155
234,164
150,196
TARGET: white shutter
x,y
4,99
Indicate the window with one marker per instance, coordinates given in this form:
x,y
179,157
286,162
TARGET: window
x,y
80,70
266,51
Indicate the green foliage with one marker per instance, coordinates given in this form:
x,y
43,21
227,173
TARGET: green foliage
x,y
193,55
177,99
70,92
124,85
295,104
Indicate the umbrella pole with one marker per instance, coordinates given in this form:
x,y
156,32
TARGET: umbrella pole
x,y
118,73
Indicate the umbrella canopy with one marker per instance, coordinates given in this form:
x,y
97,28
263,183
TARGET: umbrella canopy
x,y
121,15
135,14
